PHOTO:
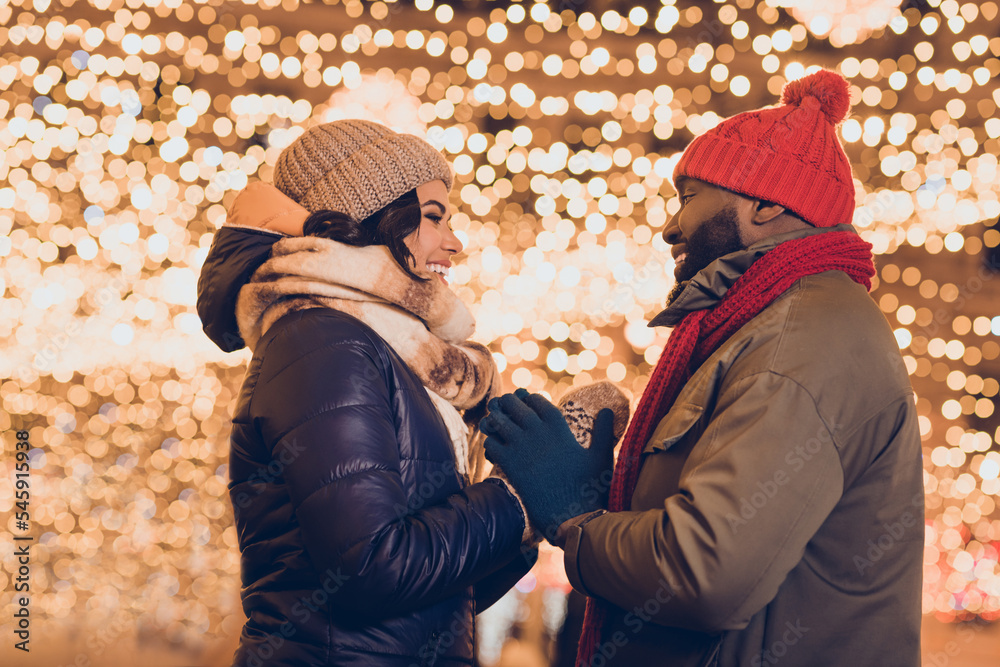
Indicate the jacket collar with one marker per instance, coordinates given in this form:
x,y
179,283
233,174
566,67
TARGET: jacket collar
x,y
710,285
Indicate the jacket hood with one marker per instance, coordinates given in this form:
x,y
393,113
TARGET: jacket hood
x,y
711,284
259,216
236,253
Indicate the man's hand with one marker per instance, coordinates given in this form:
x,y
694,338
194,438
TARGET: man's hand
x,y
556,478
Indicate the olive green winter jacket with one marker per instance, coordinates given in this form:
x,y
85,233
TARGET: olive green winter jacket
x,y
778,517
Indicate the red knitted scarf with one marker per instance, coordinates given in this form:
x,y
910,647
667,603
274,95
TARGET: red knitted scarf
x,y
698,335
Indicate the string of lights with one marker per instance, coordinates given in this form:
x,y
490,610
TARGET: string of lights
x,y
128,126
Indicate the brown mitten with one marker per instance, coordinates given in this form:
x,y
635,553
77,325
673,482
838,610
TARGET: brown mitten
x,y
581,405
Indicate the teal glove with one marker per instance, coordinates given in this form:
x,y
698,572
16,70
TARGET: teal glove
x,y
555,477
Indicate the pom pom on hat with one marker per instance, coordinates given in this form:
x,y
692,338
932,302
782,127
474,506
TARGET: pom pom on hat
x,y
828,88
788,154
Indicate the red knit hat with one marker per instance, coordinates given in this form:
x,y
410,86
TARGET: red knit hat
x,y
787,154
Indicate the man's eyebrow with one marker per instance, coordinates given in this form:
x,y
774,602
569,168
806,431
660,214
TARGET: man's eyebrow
x,y
681,182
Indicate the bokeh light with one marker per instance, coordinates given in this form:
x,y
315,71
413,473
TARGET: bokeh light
x,y
127,128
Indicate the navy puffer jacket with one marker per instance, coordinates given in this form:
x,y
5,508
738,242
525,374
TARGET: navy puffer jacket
x,y
360,543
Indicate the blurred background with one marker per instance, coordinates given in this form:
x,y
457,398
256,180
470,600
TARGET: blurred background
x,y
128,126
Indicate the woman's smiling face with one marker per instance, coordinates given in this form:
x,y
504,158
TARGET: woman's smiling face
x,y
434,242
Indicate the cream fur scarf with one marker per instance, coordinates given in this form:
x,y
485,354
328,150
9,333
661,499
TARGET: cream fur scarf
x,y
424,322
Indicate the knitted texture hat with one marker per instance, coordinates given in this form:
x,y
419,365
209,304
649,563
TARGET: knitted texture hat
x,y
356,167
787,154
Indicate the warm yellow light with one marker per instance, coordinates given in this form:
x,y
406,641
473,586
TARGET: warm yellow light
x,y
126,131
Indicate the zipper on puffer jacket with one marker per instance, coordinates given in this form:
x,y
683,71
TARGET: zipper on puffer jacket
x,y
713,659
435,642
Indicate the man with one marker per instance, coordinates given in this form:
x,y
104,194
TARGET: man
x,y
767,503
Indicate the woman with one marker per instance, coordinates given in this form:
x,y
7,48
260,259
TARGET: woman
x,y
364,539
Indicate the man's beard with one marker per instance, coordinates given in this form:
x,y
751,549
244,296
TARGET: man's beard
x,y
717,236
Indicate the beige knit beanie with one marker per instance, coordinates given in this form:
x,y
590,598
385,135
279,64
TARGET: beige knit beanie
x,y
356,167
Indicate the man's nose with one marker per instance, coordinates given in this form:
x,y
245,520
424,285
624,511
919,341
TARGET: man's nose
x,y
672,232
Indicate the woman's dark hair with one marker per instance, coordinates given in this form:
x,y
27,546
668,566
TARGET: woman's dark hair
x,y
388,226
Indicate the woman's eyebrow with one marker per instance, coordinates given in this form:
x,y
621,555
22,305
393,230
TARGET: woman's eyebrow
x,y
434,202
442,209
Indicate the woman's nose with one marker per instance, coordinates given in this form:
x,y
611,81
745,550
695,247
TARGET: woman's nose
x,y
451,242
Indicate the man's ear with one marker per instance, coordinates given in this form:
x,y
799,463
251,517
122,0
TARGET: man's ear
x,y
765,211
